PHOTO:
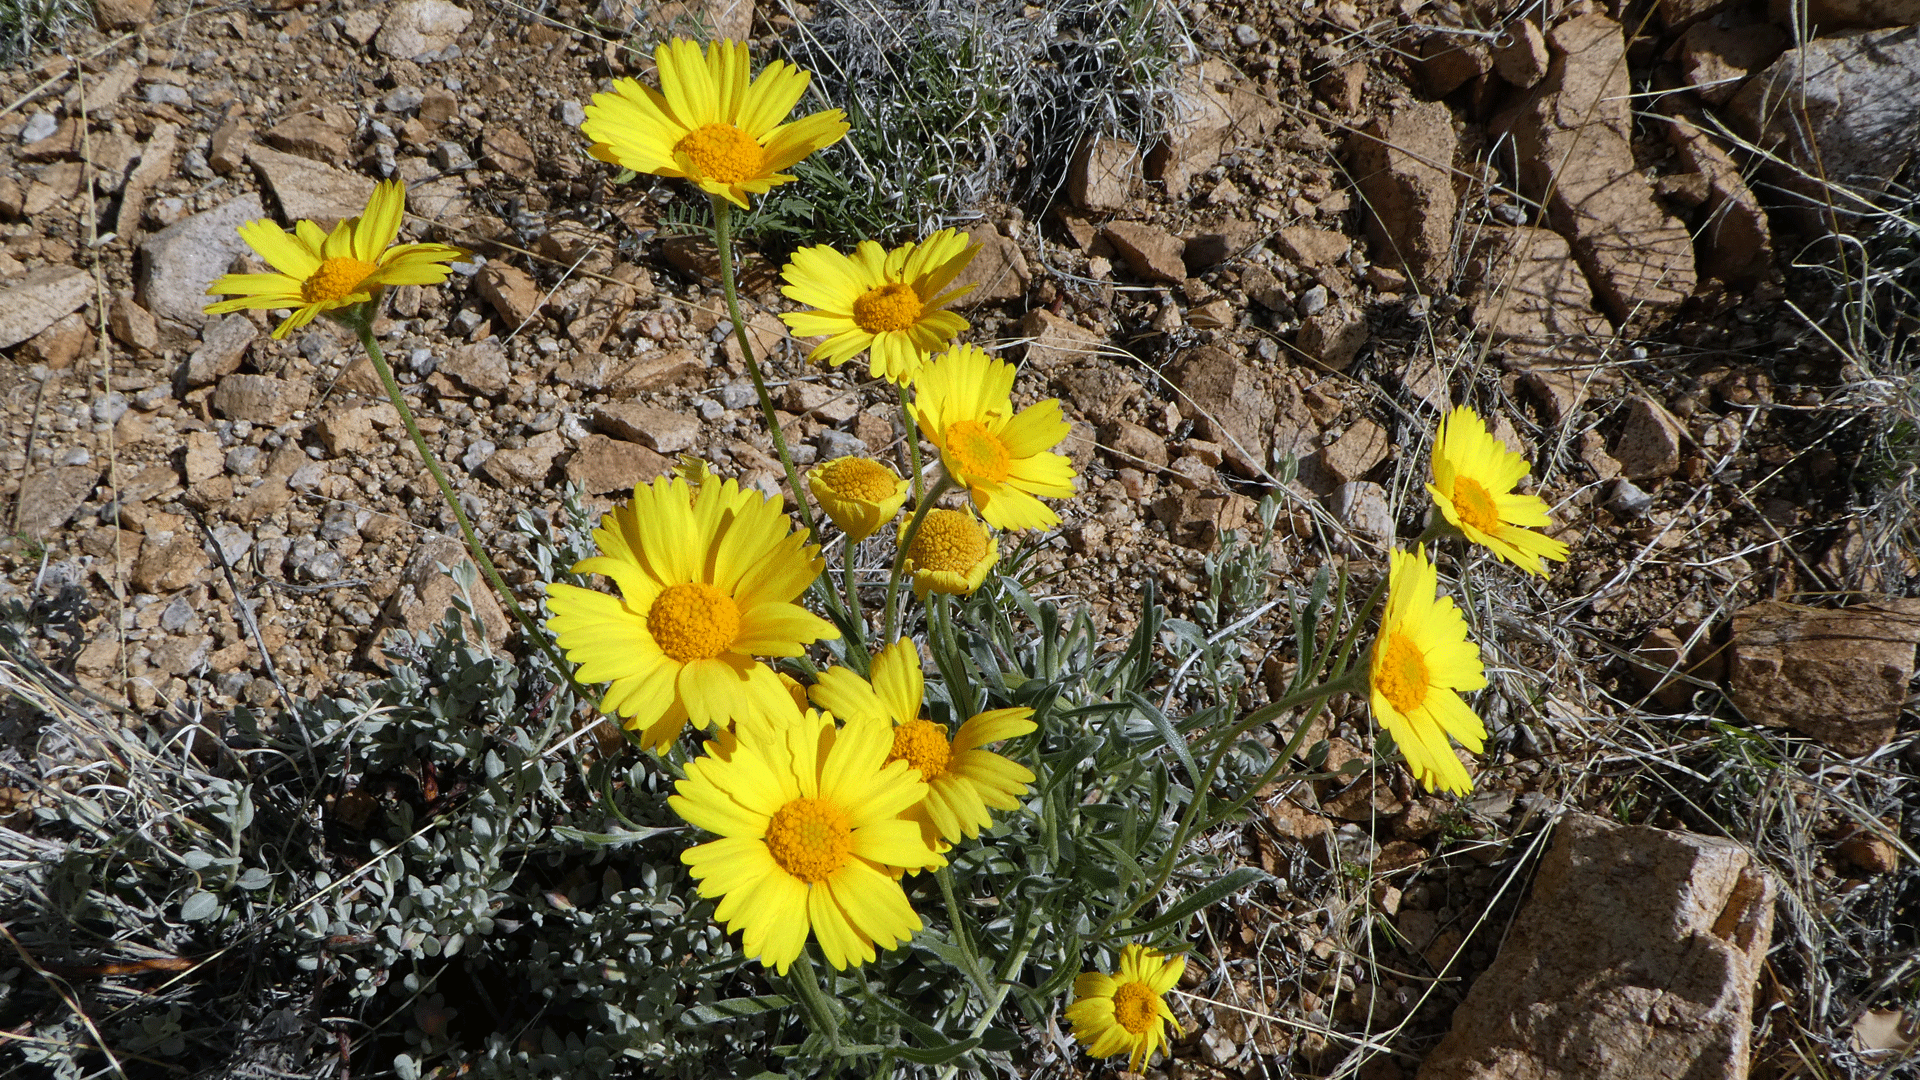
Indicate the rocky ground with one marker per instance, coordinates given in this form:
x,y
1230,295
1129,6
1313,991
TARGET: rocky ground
x,y
1591,222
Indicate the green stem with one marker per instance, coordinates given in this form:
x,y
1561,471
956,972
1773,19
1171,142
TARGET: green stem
x,y
913,439
846,581
1347,682
888,637
961,939
360,318
813,1000
1005,983
723,239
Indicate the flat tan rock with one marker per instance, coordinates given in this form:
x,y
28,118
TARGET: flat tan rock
x,y
40,298
309,189
1636,957
1837,675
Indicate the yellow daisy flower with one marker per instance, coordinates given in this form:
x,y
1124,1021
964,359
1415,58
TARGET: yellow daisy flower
x,y
321,271
951,553
963,402
1420,659
810,829
1126,1012
887,303
708,577
708,124
1473,478
965,782
859,494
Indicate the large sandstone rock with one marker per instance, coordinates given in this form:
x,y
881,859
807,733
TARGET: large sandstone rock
x,y
1839,676
1845,107
1104,175
1403,166
426,592
1570,137
998,271
1636,957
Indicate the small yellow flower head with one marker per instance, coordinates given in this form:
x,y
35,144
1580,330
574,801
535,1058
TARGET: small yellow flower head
x,y
1418,663
963,403
810,827
708,124
859,494
951,553
320,272
1126,1012
1473,478
885,303
708,578
966,781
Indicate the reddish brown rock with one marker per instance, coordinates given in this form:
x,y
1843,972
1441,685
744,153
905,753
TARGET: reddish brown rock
x,y
514,295
1714,60
602,465
1520,55
1636,956
1449,61
1570,135
1403,166
1533,298
1736,243
1839,676
1651,442
998,271
1154,253
1104,174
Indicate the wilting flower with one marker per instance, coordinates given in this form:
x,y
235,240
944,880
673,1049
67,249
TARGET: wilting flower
x,y
966,782
951,553
1473,478
886,303
321,271
1419,661
708,577
859,494
1125,1012
810,834
963,402
708,124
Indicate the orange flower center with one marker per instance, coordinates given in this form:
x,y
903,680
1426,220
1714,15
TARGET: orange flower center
x,y
810,839
1400,672
922,744
1474,505
976,452
336,278
889,307
948,541
723,152
693,622
1133,1006
859,478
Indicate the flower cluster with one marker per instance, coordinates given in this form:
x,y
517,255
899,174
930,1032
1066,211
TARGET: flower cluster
x,y
823,799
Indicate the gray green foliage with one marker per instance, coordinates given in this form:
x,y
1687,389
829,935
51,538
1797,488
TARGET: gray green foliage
x,y
437,872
